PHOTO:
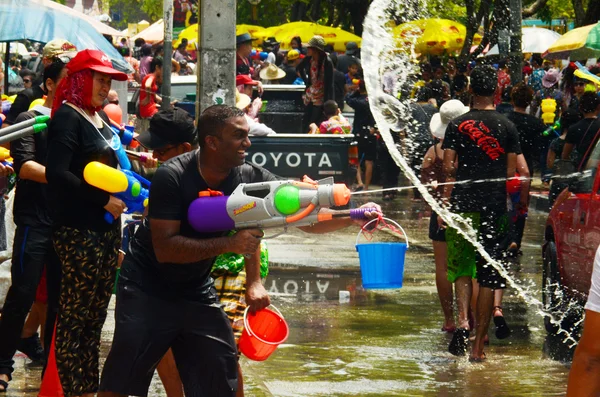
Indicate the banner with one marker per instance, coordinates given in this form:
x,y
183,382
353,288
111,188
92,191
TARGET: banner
x,y
185,13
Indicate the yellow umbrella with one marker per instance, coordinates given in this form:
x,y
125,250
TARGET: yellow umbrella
x,y
572,44
191,34
252,29
273,31
433,36
337,37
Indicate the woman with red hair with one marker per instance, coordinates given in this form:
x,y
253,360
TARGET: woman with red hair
x,y
86,244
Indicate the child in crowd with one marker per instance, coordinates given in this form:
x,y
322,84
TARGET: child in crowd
x,y
336,123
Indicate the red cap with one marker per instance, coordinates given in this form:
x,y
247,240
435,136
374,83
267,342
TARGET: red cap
x,y
94,60
243,79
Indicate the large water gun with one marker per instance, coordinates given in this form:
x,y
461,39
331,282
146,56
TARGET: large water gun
x,y
271,204
583,73
123,184
24,128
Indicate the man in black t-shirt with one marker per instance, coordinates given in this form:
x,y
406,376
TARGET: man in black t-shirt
x,y
486,144
166,296
584,134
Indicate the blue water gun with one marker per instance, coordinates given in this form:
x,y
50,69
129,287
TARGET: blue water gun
x,y
126,185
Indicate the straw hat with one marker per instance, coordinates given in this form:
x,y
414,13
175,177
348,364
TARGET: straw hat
x,y
317,42
448,111
242,100
272,72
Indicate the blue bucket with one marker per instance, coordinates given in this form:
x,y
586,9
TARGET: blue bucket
x,y
382,264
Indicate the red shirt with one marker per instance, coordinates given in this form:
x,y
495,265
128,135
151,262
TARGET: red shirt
x,y
147,96
503,83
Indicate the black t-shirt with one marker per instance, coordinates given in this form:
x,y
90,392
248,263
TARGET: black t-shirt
x,y
31,198
174,186
73,143
22,102
419,135
290,74
531,130
482,139
583,135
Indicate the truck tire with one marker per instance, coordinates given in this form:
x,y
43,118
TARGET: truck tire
x,y
552,291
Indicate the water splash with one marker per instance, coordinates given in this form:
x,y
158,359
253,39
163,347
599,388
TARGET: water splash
x,y
382,58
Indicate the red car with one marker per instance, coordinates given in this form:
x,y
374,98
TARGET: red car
x,y
572,236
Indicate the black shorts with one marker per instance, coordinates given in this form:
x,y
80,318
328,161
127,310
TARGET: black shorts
x,y
367,148
435,233
146,327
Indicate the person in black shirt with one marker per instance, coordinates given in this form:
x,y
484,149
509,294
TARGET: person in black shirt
x,y
166,274
85,242
291,61
364,131
486,144
339,83
33,240
583,135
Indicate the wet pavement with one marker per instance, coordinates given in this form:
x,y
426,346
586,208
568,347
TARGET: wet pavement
x,y
382,343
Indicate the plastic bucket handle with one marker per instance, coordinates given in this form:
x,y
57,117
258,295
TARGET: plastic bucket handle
x,y
249,330
372,220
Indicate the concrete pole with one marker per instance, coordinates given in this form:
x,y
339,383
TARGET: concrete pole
x,y
216,63
516,38
168,52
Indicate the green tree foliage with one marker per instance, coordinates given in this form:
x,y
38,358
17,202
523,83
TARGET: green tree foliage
x,y
133,11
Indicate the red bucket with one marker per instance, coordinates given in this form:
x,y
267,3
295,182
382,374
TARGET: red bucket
x,y
263,332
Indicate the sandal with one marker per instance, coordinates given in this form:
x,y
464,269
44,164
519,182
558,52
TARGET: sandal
x,y
449,330
458,344
478,359
502,330
4,384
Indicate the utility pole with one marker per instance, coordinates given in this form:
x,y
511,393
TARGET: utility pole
x,y
168,51
216,63
515,59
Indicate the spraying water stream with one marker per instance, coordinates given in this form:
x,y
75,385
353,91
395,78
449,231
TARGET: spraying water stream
x,y
382,60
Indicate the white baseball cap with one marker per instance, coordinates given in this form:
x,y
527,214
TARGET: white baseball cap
x,y
448,111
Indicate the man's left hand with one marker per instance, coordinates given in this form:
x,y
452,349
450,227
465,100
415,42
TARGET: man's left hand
x,y
370,215
257,297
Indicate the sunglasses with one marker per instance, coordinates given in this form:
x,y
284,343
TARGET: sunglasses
x,y
163,151
26,81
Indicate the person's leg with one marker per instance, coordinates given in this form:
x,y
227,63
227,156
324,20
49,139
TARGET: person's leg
x,y
502,329
33,321
53,272
145,328
368,173
444,287
306,119
240,390
317,115
107,251
27,263
484,312
205,353
82,258
169,375
464,290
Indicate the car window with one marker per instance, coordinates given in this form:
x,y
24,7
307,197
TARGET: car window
x,y
589,171
179,91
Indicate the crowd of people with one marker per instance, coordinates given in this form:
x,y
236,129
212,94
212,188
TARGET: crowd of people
x,y
66,254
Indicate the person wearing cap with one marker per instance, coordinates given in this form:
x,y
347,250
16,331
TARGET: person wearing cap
x,y
34,235
296,44
290,62
245,85
486,144
270,46
317,72
350,57
57,50
432,170
550,90
256,128
243,51
271,74
85,243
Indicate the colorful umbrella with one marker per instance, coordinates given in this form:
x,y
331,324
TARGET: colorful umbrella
x,y
337,37
433,36
573,45
535,40
31,20
191,34
155,33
